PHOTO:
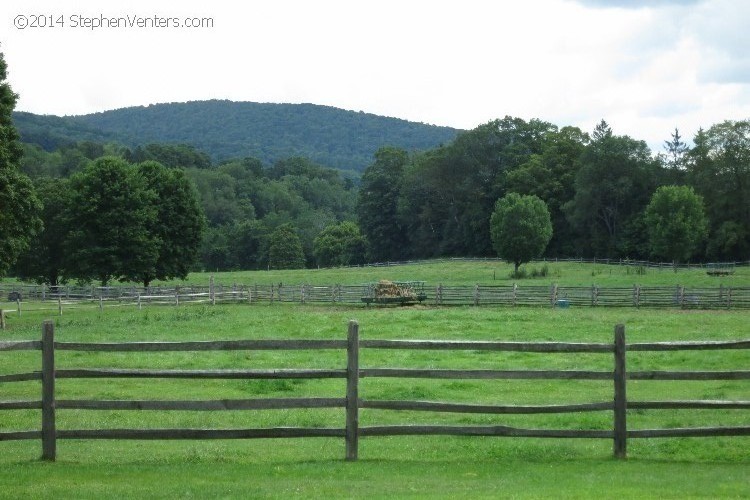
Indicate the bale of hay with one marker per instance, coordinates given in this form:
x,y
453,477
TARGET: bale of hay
x,y
387,290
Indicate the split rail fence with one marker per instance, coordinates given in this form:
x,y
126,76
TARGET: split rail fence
x,y
352,401
69,297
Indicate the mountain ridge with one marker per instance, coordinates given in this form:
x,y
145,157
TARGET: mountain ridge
x,y
227,129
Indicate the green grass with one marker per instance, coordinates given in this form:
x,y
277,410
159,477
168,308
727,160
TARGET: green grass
x,y
388,467
486,273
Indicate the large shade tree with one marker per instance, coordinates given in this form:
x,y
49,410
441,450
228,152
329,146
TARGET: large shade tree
x,y
19,206
179,224
676,223
113,213
520,228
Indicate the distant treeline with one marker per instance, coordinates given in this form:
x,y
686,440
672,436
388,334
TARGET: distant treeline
x,y
438,202
224,129
596,187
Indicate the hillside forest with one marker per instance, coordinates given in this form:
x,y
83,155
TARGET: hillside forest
x,y
104,211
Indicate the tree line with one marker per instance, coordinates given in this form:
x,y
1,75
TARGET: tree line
x,y
599,189
102,212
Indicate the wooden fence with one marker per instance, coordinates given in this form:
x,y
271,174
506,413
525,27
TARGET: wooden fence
x,y
678,297
351,402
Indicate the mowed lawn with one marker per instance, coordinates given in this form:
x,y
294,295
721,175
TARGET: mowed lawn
x,y
396,467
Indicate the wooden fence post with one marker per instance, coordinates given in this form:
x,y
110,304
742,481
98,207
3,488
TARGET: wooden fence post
x,y
18,306
59,304
620,403
2,319
49,444
211,290
476,295
553,296
352,391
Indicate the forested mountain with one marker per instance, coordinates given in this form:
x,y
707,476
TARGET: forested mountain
x,y
328,136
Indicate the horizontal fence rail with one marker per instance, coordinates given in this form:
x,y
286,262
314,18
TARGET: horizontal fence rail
x,y
674,297
353,401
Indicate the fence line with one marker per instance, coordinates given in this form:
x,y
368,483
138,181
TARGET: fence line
x,y
574,260
722,297
353,401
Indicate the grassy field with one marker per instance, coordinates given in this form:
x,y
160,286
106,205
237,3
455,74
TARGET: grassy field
x,y
434,467
486,273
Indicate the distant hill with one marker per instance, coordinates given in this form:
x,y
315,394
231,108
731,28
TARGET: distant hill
x,y
224,129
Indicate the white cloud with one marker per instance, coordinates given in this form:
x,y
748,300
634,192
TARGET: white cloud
x,y
646,67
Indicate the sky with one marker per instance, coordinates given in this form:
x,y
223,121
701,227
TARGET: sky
x,y
646,67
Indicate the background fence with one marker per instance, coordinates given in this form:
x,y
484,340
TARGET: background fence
x,y
68,297
578,260
352,401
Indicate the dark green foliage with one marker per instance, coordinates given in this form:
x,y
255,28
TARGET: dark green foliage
x,y
551,176
45,260
216,250
113,213
170,155
339,245
676,223
285,249
19,206
448,193
378,203
520,228
719,170
249,245
179,221
612,187
54,132
224,129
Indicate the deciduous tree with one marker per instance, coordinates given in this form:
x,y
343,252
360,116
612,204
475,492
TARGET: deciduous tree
x,y
520,228
113,213
340,245
377,207
179,223
285,249
19,206
45,260
676,223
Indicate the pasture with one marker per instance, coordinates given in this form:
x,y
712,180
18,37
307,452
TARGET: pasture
x,y
487,272
464,467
